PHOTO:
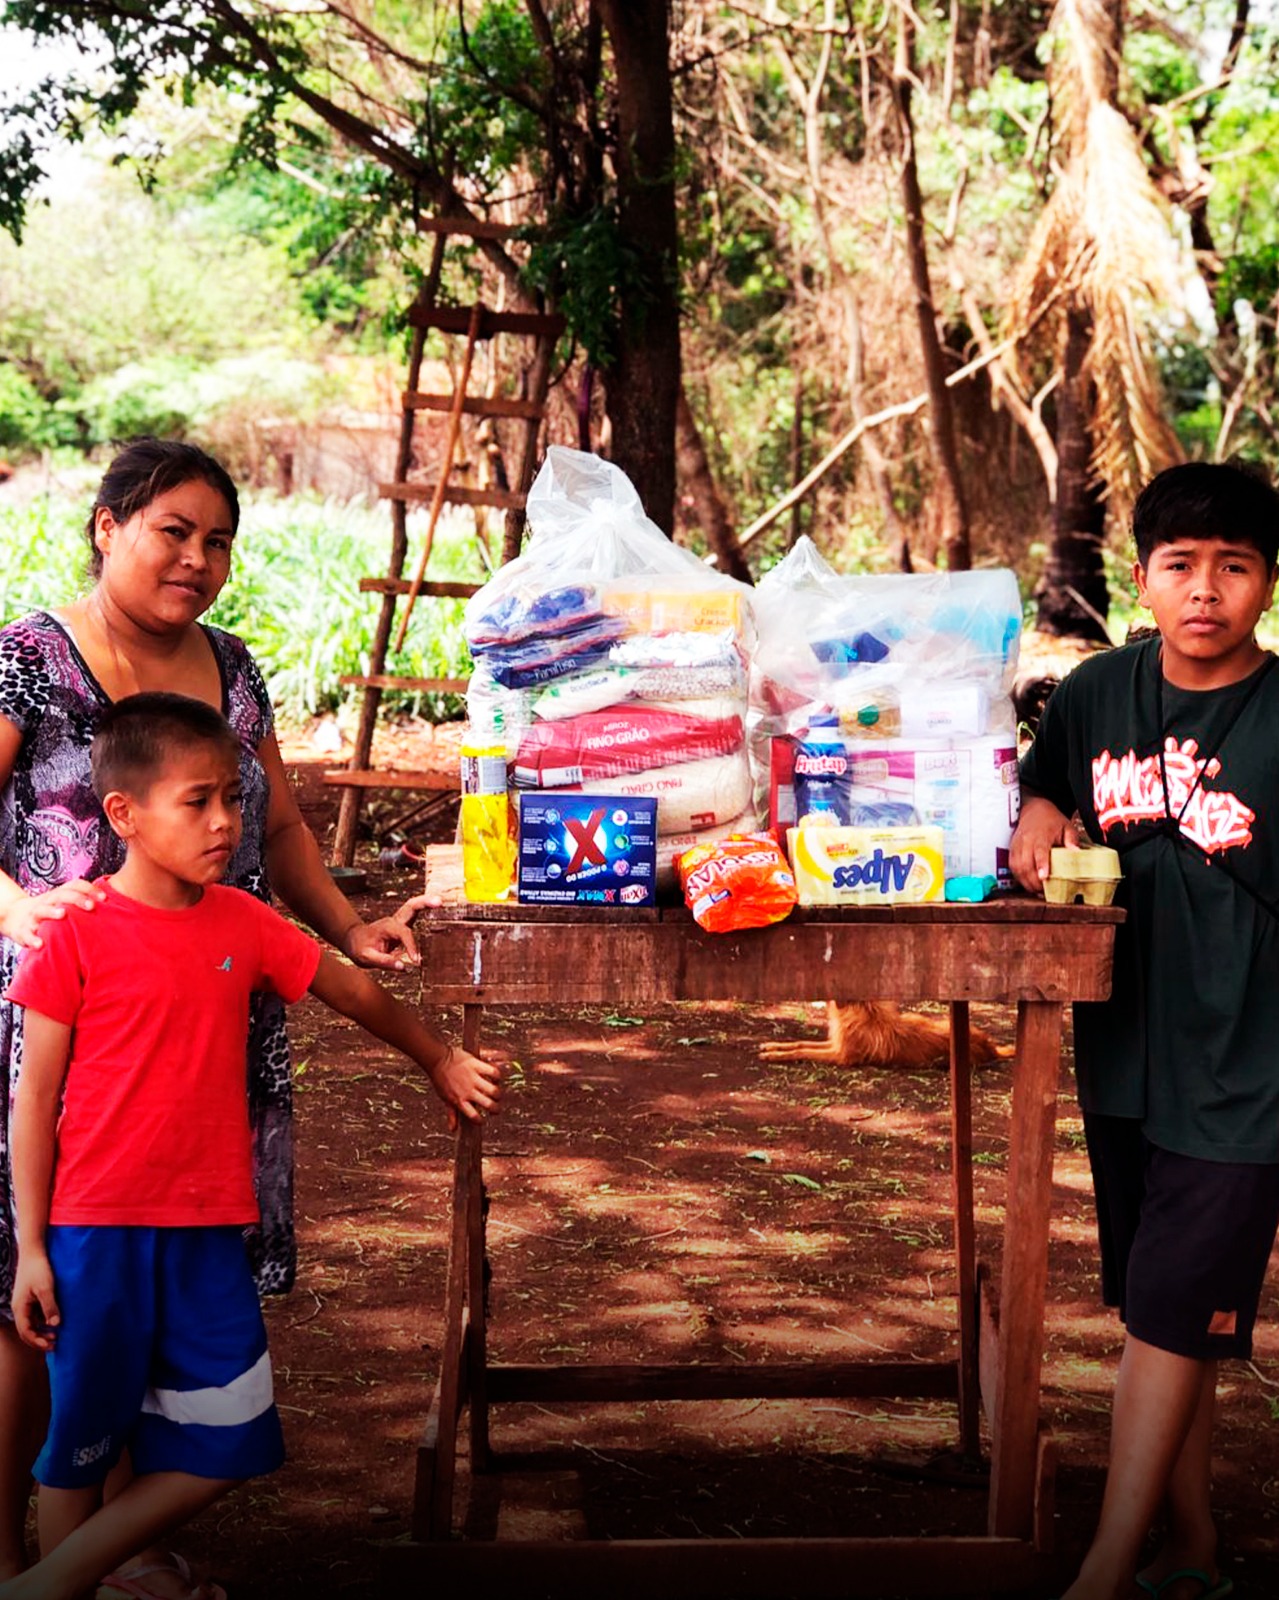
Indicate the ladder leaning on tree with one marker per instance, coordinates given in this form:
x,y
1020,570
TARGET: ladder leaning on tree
x,y
474,324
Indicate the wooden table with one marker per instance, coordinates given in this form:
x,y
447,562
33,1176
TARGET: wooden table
x,y
1015,951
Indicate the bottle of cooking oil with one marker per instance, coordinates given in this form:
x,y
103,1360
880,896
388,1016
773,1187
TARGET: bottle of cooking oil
x,y
488,854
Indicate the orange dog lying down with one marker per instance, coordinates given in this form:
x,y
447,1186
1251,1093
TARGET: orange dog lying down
x,y
876,1033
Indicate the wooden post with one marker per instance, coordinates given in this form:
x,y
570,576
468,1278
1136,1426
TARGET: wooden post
x,y
477,1313
961,1189
1024,1275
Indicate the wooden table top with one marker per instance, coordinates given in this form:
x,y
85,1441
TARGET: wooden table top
x,y
1007,950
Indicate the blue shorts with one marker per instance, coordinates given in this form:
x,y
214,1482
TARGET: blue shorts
x,y
161,1350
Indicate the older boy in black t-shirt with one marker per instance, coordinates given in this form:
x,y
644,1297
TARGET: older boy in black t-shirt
x,y
1167,750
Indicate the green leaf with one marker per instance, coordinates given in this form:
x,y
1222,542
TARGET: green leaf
x,y
760,1155
801,1182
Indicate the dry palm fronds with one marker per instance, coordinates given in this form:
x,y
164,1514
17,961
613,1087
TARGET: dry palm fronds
x,y
1106,215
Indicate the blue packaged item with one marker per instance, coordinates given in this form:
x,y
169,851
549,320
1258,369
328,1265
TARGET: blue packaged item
x,y
862,649
881,813
587,849
542,659
528,613
823,773
971,889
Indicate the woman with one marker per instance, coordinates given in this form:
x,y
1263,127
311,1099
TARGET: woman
x,y
161,534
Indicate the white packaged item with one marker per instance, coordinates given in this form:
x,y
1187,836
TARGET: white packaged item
x,y
673,845
691,796
944,711
593,690
969,791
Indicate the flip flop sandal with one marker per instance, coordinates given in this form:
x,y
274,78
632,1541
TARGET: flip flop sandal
x,y
1211,1591
119,1585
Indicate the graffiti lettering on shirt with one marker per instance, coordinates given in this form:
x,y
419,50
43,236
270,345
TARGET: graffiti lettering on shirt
x,y
1128,789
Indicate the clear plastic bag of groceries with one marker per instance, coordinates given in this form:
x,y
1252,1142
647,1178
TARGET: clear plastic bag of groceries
x,y
595,559
602,612
894,655
884,700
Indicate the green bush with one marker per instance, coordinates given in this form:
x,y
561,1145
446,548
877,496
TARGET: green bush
x,y
28,422
293,596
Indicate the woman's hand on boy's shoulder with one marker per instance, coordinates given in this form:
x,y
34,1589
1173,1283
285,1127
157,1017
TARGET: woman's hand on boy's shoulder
x,y
466,1084
35,1304
1040,827
21,918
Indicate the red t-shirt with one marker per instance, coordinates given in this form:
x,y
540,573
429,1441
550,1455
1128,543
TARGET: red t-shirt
x,y
154,1130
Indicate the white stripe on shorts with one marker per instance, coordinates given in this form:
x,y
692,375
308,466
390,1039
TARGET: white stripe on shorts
x,y
238,1402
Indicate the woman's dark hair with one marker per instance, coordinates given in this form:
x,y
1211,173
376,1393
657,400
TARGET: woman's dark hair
x,y
151,467
1230,500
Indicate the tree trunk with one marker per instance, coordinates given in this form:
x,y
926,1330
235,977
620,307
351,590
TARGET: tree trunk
x,y
941,419
698,483
1072,595
642,387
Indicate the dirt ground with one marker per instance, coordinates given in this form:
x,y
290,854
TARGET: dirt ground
x,y
659,1194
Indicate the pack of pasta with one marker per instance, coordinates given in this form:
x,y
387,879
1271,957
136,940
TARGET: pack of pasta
x,y
615,661
883,702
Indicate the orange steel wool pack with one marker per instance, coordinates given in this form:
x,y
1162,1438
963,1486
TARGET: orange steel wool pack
x,y
743,881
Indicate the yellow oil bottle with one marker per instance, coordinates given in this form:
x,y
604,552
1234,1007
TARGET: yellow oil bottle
x,y
488,852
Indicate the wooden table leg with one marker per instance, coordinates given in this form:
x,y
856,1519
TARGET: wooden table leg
x,y
476,1300
961,1188
1025,1269
437,1454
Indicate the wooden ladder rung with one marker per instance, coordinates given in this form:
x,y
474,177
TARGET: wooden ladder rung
x,y
441,591
371,778
457,319
507,499
475,405
388,680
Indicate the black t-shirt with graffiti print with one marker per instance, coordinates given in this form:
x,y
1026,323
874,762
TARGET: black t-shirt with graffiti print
x,y
1189,1040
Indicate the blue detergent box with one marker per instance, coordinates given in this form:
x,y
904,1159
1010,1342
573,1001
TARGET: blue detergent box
x,y
587,850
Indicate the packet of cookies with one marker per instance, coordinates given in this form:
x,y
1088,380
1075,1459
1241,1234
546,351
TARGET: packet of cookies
x,y
743,881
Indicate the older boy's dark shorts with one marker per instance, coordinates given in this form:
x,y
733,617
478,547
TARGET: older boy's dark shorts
x,y
1184,1242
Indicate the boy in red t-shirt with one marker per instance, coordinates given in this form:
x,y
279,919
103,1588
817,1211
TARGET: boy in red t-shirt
x,y
132,1158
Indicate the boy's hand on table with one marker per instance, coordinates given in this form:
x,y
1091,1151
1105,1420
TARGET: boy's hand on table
x,y
388,942
466,1084
35,1305
1040,827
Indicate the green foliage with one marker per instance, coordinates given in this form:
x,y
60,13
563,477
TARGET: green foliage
x,y
584,261
292,597
1159,69
478,107
106,278
29,422
171,397
43,555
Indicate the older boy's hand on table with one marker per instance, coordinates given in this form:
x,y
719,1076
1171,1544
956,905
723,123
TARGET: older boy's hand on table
x,y
35,1304
1040,827
466,1084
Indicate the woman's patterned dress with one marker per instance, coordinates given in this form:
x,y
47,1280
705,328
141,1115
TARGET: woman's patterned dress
x,y
52,830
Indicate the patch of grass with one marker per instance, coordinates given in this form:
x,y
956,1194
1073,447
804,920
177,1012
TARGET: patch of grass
x,y
293,596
